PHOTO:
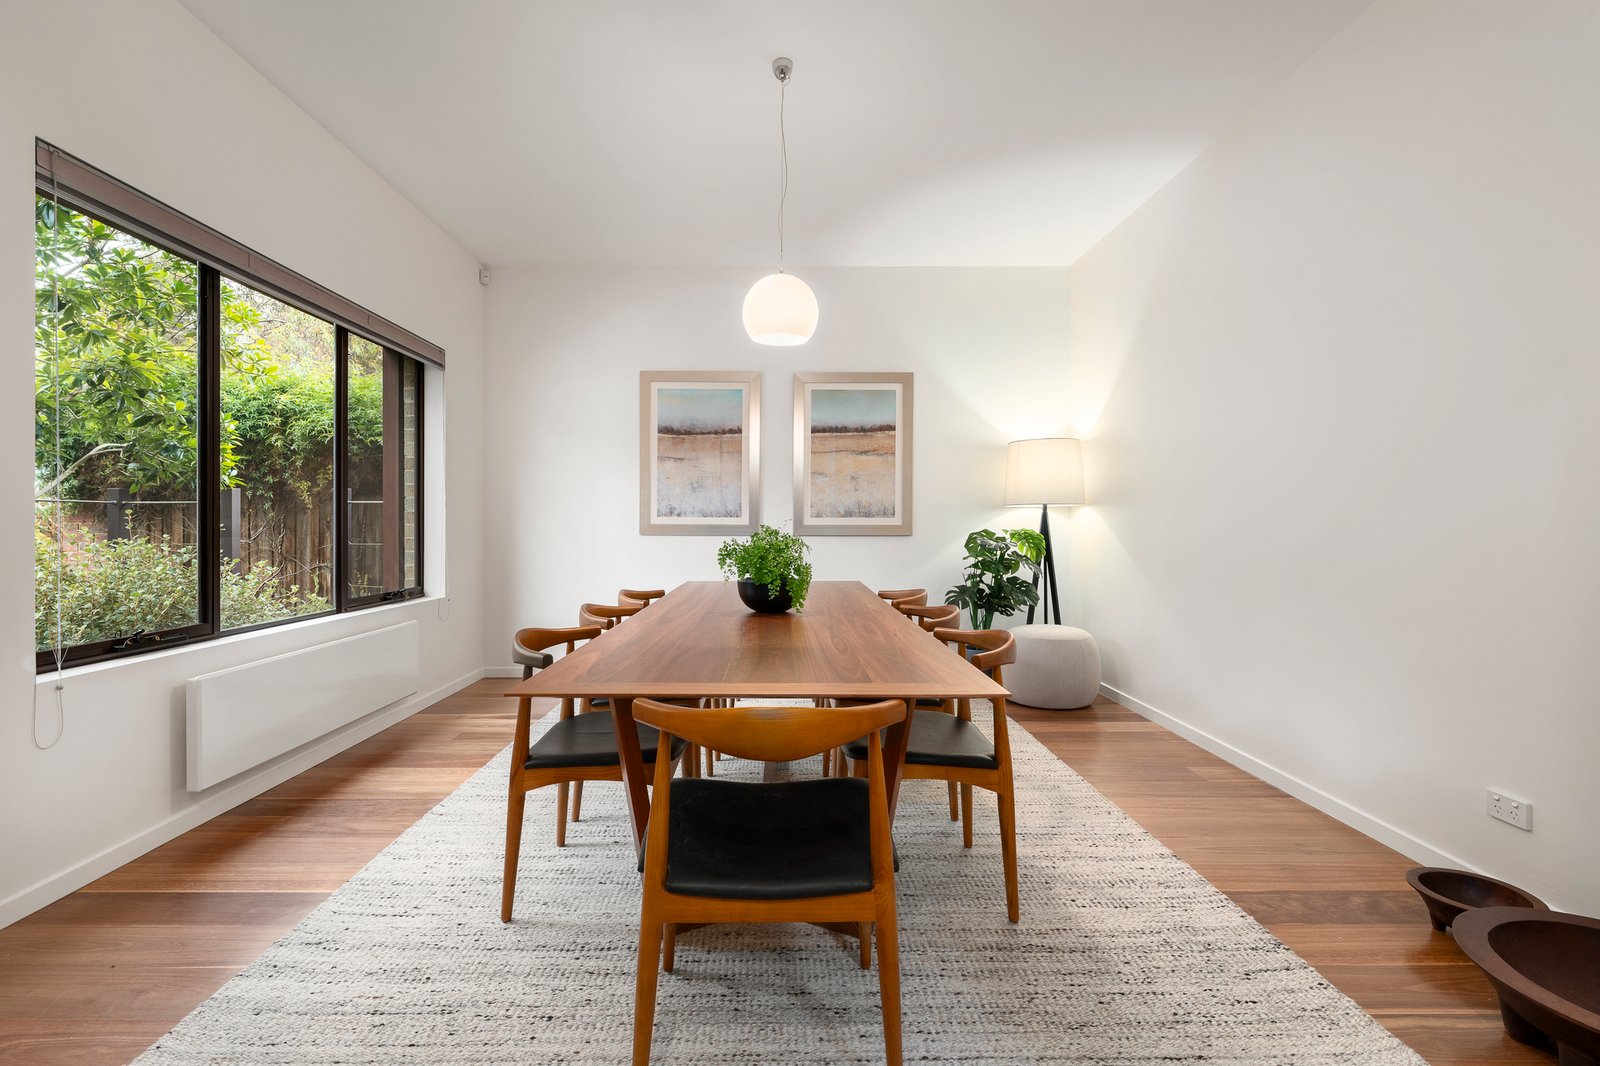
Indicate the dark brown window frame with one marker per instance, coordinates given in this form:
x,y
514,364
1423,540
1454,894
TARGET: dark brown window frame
x,y
92,192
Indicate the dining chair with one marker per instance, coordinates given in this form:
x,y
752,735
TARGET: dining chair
x,y
931,617
603,615
814,850
896,597
946,747
639,597
606,615
577,748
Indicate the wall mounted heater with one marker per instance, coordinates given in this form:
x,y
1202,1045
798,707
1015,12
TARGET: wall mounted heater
x,y
241,717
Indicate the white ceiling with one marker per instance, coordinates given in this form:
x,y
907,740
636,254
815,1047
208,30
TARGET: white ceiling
x,y
921,132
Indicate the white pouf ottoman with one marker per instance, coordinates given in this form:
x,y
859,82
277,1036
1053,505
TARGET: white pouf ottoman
x,y
1057,667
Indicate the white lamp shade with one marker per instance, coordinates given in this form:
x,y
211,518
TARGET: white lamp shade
x,y
1047,470
780,309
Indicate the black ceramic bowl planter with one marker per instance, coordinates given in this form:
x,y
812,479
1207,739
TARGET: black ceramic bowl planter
x,y
758,599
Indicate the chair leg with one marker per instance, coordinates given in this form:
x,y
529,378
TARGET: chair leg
x,y
561,815
827,763
865,931
711,768
690,766
577,799
955,804
669,948
966,816
889,983
508,879
1008,852
644,992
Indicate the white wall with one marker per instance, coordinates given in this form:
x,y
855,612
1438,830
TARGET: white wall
x,y
565,348
144,92
1340,379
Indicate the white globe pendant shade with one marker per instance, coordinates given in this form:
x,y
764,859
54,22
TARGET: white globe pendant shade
x,y
780,309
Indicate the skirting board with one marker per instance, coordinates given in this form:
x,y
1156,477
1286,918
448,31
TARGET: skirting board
x,y
1379,830
70,880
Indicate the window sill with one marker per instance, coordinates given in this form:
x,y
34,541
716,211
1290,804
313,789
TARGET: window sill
x,y
339,623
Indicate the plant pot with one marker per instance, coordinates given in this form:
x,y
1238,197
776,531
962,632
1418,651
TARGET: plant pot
x,y
756,597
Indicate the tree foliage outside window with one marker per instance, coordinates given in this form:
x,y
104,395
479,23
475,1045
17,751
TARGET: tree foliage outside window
x,y
116,391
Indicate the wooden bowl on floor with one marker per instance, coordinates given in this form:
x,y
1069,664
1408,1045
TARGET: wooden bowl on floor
x,y
1545,967
1449,892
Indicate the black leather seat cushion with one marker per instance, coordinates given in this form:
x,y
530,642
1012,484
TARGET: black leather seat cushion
x,y
589,740
939,739
785,840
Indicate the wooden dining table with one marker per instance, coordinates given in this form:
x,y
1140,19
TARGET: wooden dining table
x,y
700,640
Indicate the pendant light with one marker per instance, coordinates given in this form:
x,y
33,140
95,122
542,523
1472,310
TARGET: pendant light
x,y
780,309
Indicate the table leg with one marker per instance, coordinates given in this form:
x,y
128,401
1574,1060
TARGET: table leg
x,y
632,760
894,758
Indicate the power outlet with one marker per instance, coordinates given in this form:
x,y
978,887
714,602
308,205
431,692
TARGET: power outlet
x,y
1511,810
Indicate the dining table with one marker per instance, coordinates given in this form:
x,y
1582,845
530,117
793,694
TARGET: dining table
x,y
701,641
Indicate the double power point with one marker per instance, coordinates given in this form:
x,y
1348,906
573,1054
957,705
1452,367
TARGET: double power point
x,y
1510,809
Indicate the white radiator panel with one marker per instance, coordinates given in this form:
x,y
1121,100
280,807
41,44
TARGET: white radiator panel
x,y
241,717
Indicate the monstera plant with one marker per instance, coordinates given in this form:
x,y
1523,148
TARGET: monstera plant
x,y
993,582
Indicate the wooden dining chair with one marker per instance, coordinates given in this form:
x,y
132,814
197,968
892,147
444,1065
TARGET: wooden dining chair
x,y
639,597
814,850
945,747
931,617
606,615
909,597
577,748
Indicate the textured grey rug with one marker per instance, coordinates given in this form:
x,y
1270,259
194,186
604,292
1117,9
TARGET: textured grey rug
x,y
1124,955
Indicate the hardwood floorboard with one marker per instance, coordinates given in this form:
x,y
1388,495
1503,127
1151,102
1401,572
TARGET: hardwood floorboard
x,y
100,975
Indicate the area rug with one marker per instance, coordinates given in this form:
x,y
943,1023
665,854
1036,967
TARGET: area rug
x,y
1124,954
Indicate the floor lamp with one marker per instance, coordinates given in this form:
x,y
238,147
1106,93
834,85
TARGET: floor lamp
x,y
1038,473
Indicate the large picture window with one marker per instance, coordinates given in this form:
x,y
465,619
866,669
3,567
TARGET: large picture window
x,y
183,414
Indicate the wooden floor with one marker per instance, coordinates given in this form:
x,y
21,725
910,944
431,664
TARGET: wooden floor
x,y
102,974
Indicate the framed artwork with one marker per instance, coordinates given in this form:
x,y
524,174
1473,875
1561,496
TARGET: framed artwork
x,y
852,454
699,452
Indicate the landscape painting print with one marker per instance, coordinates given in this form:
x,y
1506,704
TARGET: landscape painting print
x,y
698,434
853,454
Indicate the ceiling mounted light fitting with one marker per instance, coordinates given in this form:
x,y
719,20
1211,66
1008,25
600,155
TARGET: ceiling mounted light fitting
x,y
780,309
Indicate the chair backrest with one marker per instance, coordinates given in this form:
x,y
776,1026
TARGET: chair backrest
x,y
771,734
995,647
931,616
536,639
605,615
639,597
908,597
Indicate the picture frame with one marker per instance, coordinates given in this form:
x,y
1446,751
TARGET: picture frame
x,y
699,452
852,454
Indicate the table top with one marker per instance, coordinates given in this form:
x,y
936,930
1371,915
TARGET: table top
x,y
701,640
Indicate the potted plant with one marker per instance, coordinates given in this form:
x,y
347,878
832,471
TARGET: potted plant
x,y
771,567
992,583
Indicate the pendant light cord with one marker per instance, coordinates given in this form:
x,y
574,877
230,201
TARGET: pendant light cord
x,y
783,168
59,647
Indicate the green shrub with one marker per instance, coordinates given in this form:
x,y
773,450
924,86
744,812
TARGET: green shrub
x,y
114,588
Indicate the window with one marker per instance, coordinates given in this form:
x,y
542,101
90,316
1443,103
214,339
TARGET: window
x,y
116,435
195,402
381,456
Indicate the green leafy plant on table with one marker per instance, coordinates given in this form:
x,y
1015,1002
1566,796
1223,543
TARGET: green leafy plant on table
x,y
771,558
993,582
